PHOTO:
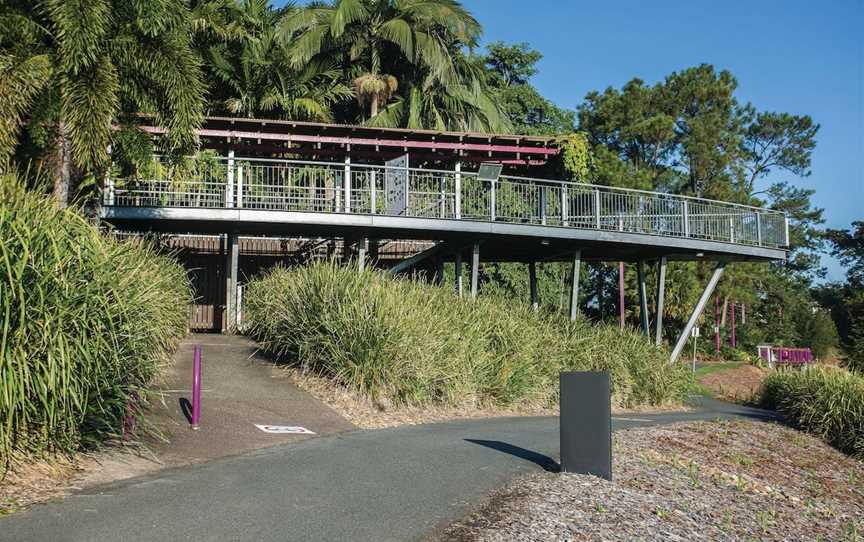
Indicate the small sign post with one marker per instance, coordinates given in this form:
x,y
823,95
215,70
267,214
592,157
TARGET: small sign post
x,y
694,333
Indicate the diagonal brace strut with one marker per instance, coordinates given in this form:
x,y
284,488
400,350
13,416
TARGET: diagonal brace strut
x,y
700,306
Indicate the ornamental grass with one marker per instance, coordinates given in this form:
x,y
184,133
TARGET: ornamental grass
x,y
399,341
86,323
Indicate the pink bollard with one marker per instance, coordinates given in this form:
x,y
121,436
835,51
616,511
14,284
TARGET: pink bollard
x,y
196,387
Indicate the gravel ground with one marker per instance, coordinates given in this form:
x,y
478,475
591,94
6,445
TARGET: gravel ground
x,y
692,481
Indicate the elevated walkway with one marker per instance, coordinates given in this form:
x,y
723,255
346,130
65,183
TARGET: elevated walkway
x,y
515,218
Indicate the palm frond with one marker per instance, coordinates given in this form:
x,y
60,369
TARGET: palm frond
x,y
347,12
80,26
89,101
399,32
20,81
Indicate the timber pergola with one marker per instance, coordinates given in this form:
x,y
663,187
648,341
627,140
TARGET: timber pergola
x,y
318,141
281,178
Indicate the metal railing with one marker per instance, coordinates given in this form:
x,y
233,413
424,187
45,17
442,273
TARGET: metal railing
x,y
329,187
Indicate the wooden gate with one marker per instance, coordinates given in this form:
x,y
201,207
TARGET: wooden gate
x,y
206,273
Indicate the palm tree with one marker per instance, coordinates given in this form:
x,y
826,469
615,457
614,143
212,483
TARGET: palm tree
x,y
69,69
255,77
465,105
377,39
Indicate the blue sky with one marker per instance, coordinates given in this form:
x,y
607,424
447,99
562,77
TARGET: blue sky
x,y
794,56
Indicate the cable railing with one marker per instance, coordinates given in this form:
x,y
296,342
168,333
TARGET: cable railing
x,y
333,187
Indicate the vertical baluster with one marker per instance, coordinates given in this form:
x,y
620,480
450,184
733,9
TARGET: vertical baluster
x,y
597,209
458,190
564,210
686,219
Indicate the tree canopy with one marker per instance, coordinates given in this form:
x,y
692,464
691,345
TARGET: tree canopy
x,y
73,72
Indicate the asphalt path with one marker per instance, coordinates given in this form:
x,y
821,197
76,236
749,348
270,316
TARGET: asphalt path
x,y
402,483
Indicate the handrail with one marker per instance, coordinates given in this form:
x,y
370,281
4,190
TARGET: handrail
x,y
343,187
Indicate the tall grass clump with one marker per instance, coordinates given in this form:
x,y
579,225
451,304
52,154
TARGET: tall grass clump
x,y
405,342
85,323
826,401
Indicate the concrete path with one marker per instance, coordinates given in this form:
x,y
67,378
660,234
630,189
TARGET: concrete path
x,y
393,484
239,389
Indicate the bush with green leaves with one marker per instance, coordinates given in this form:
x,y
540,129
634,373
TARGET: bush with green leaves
x,y
403,342
826,401
87,321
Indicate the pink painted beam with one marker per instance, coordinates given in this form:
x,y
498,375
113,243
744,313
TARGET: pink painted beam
x,y
235,134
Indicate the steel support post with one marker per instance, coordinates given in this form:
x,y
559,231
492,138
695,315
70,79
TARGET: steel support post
x,y
732,342
621,295
362,249
475,269
700,306
661,294
457,273
716,325
574,284
643,297
532,284
438,272
233,263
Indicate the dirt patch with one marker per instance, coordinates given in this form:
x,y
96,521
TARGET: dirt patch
x,y
30,482
368,414
692,481
739,384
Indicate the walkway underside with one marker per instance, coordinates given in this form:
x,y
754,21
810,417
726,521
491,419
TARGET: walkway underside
x,y
501,241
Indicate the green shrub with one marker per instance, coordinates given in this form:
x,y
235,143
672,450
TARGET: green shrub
x,y
826,401
86,323
405,342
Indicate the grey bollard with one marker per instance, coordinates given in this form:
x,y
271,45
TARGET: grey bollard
x,y
586,424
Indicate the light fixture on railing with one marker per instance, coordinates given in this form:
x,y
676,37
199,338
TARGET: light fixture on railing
x,y
544,242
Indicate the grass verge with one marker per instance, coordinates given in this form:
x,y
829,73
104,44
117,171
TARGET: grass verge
x,y
404,343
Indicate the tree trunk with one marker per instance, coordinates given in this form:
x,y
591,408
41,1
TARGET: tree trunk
x,y
723,312
60,166
373,105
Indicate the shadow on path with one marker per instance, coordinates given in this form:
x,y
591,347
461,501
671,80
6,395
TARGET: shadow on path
x,y
547,463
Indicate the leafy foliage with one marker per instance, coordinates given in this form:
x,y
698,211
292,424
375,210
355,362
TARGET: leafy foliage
x,y
846,300
72,67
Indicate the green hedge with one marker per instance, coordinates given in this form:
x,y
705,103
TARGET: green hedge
x,y
412,343
86,323
826,401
